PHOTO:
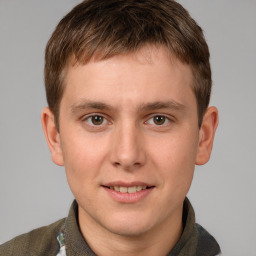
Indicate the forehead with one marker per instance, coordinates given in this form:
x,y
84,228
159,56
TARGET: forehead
x,y
147,55
150,74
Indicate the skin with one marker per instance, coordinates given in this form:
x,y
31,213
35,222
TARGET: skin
x,y
130,146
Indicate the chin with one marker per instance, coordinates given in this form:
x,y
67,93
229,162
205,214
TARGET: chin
x,y
129,226
130,230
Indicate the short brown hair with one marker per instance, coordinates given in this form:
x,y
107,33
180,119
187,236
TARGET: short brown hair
x,y
101,29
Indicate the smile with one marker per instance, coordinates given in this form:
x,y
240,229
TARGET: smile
x,y
128,193
130,190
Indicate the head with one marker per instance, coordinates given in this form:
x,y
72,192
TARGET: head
x,y
102,29
128,86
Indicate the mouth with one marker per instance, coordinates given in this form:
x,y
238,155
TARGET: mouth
x,y
128,193
130,189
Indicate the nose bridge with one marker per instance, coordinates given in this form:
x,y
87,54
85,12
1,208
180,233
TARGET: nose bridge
x,y
128,149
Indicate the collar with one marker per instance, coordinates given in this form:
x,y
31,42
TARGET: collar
x,y
74,241
194,240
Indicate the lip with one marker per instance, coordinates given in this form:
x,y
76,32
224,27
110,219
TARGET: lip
x,y
127,184
128,198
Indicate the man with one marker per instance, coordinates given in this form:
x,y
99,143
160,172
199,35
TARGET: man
x,y
128,86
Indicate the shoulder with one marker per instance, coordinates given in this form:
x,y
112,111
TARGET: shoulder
x,y
206,242
195,240
40,241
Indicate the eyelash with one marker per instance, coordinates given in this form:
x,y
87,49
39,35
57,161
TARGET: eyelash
x,y
87,118
167,120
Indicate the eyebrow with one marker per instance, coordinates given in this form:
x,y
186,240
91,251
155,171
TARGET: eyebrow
x,y
173,105
151,106
86,104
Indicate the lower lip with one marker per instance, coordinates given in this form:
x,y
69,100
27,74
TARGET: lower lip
x,y
128,197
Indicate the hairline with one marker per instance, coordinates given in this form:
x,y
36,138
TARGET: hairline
x,y
73,61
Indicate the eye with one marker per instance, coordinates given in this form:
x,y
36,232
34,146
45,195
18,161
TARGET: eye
x,y
96,120
158,120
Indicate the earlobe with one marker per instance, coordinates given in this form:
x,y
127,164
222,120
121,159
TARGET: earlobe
x,y
52,136
206,135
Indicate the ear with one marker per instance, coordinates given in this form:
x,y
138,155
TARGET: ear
x,y
206,135
52,136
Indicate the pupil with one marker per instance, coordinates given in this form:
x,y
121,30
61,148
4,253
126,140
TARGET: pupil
x,y
159,120
97,120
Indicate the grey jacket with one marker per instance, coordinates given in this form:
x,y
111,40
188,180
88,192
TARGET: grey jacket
x,y
195,240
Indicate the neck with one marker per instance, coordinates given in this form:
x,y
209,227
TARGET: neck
x,y
157,241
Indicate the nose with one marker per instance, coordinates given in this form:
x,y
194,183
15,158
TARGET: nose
x,y
128,148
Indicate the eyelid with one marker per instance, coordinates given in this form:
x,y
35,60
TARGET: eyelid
x,y
169,118
87,116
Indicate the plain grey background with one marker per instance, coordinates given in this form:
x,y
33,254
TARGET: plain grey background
x,y
34,192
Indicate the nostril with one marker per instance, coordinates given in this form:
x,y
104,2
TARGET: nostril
x,y
117,164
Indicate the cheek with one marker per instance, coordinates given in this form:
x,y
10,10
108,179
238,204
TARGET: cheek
x,y
83,160
175,160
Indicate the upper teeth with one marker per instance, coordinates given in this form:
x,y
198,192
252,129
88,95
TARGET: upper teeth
x,y
132,189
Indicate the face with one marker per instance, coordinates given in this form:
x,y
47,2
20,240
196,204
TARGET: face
x,y
129,140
